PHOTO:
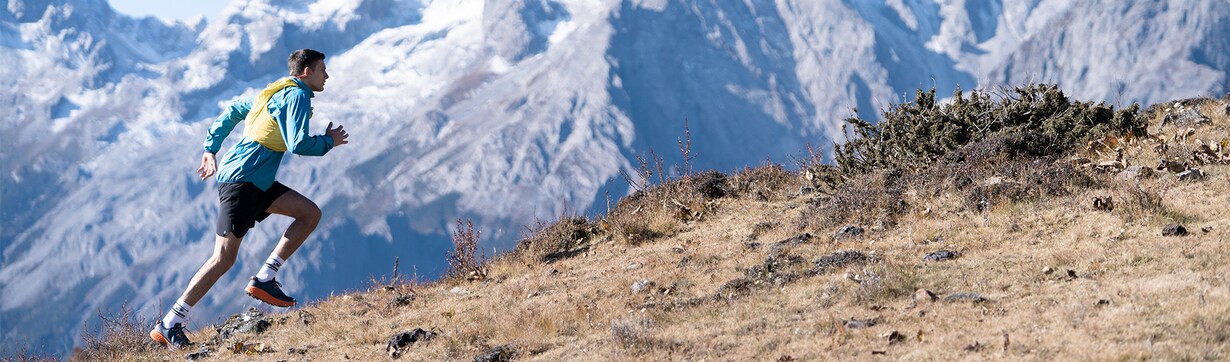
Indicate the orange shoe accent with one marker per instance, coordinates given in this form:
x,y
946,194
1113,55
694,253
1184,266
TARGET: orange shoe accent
x,y
260,295
157,337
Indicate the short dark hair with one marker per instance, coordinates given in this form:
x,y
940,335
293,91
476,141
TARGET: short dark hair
x,y
303,58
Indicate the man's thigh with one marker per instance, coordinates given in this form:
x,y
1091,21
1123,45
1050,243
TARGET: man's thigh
x,y
294,204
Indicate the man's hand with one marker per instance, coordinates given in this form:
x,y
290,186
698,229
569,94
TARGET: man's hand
x,y
208,166
338,134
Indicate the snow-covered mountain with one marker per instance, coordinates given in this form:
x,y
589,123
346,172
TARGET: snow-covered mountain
x,y
501,111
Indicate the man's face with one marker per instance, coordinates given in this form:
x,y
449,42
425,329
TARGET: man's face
x,y
315,77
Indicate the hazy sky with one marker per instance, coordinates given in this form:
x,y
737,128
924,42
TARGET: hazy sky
x,y
176,10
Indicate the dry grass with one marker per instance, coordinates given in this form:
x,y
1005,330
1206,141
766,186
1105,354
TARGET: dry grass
x,y
731,278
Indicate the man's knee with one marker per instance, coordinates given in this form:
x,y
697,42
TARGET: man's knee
x,y
310,213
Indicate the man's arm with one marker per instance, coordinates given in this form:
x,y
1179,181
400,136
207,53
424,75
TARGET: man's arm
x,y
295,128
222,127
234,113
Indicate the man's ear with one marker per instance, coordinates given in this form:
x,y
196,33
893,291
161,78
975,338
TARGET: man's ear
x,y
306,71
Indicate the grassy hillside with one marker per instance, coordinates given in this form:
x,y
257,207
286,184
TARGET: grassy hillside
x,y
1014,224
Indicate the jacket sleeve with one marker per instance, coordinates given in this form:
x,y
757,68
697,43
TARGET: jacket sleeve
x,y
236,112
295,127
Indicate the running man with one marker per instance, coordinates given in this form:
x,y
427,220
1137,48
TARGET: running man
x,y
276,120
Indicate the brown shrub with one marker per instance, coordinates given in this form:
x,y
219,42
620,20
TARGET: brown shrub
x,y
661,210
465,262
1005,167
764,183
546,242
875,198
117,336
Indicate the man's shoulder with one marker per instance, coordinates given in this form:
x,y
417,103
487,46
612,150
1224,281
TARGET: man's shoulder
x,y
295,93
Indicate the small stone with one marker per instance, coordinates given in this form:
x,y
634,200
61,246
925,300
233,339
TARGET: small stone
x,y
497,354
1102,302
940,255
923,295
1174,230
832,262
197,356
399,341
306,318
459,291
294,350
848,231
1048,270
1206,229
642,285
1191,175
854,323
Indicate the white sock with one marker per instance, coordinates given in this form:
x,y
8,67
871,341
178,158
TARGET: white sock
x,y
270,269
177,314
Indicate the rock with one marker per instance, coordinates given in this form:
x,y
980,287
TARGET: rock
x,y
923,295
252,321
940,255
399,341
196,356
642,285
401,300
780,246
776,270
848,231
498,354
854,323
459,291
834,261
1183,117
1174,230
1194,174
965,297
306,318
1047,270
294,350
796,240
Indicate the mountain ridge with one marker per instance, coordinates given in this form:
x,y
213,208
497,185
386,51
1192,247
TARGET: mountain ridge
x,y
480,110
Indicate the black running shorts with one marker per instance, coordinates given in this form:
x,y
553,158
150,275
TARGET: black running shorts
x,y
241,205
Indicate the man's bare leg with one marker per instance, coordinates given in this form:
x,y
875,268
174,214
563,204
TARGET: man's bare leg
x,y
264,286
169,331
226,248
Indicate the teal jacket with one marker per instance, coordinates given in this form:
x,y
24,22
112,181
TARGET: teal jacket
x,y
251,162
